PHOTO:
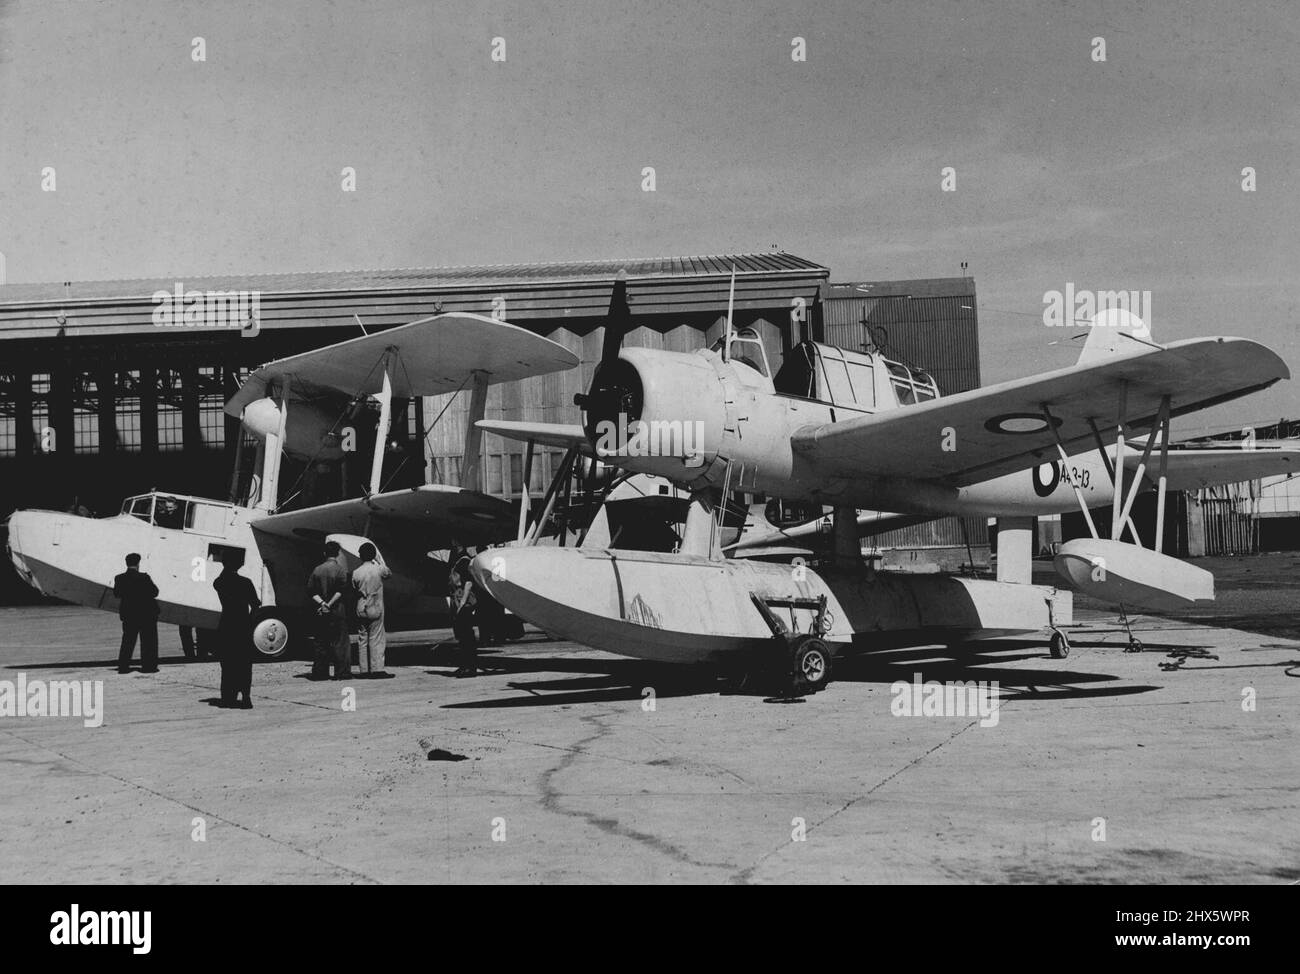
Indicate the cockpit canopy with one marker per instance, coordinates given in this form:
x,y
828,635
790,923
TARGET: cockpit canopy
x,y
177,511
846,378
746,348
911,385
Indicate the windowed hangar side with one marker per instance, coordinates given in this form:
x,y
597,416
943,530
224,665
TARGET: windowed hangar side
x,y
99,401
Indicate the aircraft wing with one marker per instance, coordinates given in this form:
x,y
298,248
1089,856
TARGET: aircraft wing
x,y
433,355
563,435
1190,469
433,514
984,433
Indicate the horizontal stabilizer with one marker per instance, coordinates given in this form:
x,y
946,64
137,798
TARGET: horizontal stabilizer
x,y
1194,468
564,435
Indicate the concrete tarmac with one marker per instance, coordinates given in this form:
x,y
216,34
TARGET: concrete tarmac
x,y
1104,767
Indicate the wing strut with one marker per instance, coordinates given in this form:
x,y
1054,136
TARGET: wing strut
x,y
1065,461
469,469
552,494
1116,525
1123,502
385,397
1162,417
269,452
1110,470
524,498
1164,466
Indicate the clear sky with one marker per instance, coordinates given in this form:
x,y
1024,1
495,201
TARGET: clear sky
x,y
1123,174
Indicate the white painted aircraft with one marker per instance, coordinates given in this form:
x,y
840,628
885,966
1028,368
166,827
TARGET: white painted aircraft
x,y
854,430
301,406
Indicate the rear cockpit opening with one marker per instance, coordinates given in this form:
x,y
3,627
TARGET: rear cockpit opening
x,y
860,380
911,385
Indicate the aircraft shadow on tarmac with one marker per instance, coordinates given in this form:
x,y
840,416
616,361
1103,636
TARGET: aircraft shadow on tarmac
x,y
612,680
109,664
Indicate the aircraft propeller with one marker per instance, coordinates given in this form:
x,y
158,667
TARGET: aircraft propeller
x,y
615,394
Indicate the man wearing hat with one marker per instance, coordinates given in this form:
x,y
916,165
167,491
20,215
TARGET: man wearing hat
x,y
138,609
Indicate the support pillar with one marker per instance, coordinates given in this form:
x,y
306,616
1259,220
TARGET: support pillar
x,y
846,549
1015,549
25,432
191,427
470,474
697,537
106,387
148,411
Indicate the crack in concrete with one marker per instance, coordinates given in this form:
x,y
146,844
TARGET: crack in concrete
x,y
746,875
611,826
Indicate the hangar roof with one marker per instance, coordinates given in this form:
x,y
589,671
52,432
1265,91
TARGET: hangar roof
x,y
481,275
567,289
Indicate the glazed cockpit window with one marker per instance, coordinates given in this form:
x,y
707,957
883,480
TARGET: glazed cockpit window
x,y
169,512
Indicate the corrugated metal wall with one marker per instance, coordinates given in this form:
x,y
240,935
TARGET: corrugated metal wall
x,y
939,333
931,324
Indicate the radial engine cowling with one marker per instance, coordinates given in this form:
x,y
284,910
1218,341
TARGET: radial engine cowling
x,y
657,412
309,434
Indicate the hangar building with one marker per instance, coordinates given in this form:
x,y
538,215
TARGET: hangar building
x,y
101,396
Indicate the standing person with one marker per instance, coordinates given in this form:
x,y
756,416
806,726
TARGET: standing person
x,y
327,588
460,594
368,586
235,632
138,609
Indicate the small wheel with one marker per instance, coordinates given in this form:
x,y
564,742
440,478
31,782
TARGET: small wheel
x,y
1060,645
810,666
1134,645
270,634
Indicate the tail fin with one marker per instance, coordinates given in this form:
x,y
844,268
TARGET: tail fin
x,y
1114,331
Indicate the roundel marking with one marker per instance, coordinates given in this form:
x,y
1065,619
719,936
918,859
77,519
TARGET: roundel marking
x,y
1019,424
1044,484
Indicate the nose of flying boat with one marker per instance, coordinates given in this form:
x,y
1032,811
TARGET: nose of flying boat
x,y
533,582
49,548
23,530
491,568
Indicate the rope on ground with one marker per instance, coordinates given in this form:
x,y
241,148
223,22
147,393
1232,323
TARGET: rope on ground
x,y
1181,656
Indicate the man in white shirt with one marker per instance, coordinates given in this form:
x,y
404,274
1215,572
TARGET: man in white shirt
x,y
368,585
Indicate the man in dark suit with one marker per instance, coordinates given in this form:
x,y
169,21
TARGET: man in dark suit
x,y
138,609
328,588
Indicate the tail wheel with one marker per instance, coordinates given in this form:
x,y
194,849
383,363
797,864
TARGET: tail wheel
x,y
1059,647
271,634
810,666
